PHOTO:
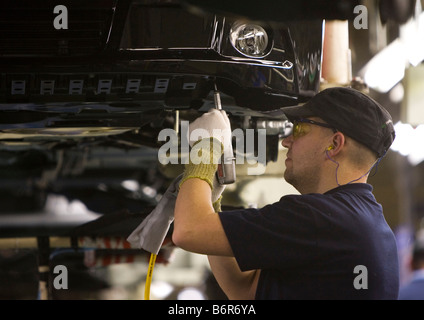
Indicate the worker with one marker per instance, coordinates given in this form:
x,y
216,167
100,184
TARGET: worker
x,y
331,241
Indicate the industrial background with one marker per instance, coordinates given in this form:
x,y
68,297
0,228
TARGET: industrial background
x,y
87,86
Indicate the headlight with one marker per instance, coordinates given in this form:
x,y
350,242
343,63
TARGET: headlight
x,y
249,39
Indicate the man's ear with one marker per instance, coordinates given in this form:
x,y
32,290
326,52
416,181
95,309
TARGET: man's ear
x,y
338,143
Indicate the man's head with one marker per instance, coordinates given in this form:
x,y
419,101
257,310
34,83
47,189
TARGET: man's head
x,y
353,113
339,126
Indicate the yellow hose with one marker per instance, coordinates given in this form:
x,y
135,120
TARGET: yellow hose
x,y
149,276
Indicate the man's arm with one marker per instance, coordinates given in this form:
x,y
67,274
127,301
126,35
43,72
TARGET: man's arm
x,y
197,228
236,284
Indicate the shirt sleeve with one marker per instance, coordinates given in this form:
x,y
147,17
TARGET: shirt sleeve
x,y
281,235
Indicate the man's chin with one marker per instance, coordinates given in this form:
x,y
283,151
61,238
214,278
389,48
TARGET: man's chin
x,y
288,177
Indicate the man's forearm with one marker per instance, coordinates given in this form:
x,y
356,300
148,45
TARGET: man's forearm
x,y
236,284
197,227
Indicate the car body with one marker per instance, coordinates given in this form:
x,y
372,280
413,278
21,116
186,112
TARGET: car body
x,y
104,86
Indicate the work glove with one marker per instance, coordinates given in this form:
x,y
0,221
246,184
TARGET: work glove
x,y
209,135
151,233
214,123
217,190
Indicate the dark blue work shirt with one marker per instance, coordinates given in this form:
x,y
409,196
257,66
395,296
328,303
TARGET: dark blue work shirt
x,y
336,245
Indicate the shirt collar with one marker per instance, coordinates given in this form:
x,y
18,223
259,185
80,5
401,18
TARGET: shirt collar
x,y
351,187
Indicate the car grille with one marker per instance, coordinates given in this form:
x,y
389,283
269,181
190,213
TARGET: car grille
x,y
27,29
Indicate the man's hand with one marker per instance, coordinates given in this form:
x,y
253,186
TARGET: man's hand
x,y
214,124
209,135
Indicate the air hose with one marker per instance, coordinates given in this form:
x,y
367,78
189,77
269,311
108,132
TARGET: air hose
x,y
149,276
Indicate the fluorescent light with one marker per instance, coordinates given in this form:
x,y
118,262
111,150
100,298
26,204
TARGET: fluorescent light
x,y
409,142
412,35
387,68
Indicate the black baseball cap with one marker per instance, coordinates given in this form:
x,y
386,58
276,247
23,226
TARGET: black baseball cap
x,y
351,112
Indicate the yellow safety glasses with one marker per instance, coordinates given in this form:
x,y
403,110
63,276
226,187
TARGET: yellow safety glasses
x,y
301,127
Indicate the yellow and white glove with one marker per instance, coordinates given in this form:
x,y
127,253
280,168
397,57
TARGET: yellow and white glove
x,y
209,135
217,190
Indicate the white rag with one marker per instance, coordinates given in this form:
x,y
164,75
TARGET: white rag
x,y
151,233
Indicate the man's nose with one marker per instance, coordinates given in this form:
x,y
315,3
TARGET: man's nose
x,y
286,142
